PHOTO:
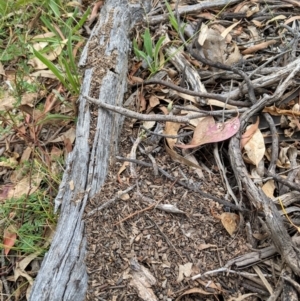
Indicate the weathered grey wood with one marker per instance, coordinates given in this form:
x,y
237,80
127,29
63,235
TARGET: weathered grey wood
x,y
63,273
283,243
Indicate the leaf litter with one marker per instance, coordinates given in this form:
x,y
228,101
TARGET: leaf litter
x,y
258,38
237,72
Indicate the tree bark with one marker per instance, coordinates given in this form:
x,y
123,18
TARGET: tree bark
x,y
63,274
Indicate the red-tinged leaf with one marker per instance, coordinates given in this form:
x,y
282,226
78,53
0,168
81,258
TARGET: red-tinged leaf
x,y
207,131
9,238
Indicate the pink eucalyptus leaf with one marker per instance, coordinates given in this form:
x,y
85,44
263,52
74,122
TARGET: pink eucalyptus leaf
x,y
208,131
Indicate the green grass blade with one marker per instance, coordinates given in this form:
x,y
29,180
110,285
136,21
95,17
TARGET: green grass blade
x,y
157,48
148,43
51,66
81,21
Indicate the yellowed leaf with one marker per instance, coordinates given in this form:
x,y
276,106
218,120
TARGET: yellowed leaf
x,y
268,188
280,17
153,101
171,128
228,29
230,221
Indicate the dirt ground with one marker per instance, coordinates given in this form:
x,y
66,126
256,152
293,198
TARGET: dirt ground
x,y
162,242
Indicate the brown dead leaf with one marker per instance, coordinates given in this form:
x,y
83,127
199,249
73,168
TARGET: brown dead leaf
x,y
51,56
258,47
153,101
194,290
206,246
171,128
251,129
27,185
9,238
178,158
69,134
26,154
2,71
230,221
280,17
292,19
7,101
142,102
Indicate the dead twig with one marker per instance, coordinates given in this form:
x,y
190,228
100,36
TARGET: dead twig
x,y
142,210
192,188
165,236
150,117
283,181
192,93
112,201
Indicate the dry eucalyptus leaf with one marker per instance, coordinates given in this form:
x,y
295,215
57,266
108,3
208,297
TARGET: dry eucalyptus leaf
x,y
255,147
250,130
268,188
171,128
230,221
208,131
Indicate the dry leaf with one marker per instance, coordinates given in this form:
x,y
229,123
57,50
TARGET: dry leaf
x,y
171,128
27,185
184,270
268,188
9,238
195,290
153,101
203,34
70,134
149,124
234,57
251,129
178,158
230,222
280,17
206,246
255,147
258,47
207,131
228,29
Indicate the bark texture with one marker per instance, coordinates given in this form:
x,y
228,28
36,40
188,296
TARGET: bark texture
x,y
63,274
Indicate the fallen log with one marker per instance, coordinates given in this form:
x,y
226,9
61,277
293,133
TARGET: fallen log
x,y
63,274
